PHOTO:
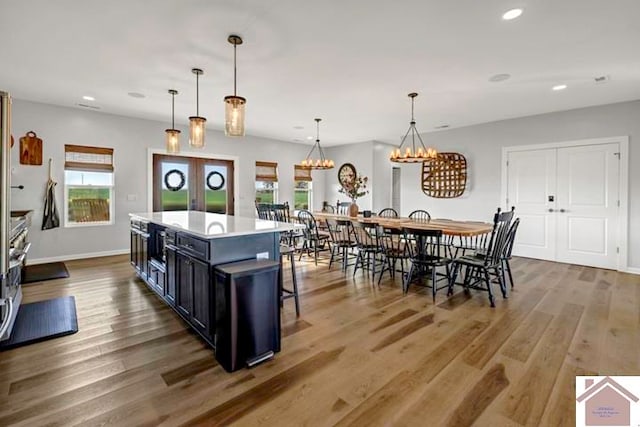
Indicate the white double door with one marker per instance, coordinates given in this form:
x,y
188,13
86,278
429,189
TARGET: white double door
x,y
568,202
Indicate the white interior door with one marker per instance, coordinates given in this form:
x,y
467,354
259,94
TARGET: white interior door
x,y
587,214
531,179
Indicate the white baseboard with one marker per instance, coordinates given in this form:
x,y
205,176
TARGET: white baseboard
x,y
77,256
632,270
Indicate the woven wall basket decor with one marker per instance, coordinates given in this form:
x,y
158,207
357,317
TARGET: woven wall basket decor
x,y
444,177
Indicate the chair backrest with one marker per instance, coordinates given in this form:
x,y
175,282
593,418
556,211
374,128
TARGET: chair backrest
x,y
307,219
342,208
511,237
329,209
280,212
388,213
393,243
263,210
420,215
423,245
499,234
341,231
367,234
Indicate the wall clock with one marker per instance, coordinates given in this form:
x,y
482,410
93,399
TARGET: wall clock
x,y
346,174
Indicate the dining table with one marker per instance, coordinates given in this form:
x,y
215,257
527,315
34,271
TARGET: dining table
x,y
449,227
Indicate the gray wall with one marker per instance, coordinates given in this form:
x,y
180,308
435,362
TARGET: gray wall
x,y
482,146
130,138
359,155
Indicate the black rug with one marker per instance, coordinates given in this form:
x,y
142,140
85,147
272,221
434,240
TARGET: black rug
x,y
40,272
43,320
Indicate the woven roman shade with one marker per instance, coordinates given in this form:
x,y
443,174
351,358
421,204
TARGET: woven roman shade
x,y
78,157
267,171
301,174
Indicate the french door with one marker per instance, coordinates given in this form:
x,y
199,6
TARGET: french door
x,y
192,183
567,199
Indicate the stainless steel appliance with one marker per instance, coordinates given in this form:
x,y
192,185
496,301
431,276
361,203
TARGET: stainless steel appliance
x,y
13,237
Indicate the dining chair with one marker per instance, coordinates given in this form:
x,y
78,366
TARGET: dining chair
x,y
388,213
341,241
263,210
483,264
367,236
329,209
314,239
508,249
425,254
342,208
420,215
394,249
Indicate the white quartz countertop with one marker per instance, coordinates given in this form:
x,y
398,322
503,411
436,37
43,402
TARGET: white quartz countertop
x,y
210,225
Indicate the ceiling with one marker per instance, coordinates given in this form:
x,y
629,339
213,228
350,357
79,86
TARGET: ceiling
x,y
351,62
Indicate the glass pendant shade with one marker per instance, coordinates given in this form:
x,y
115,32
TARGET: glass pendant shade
x,y
197,131
197,124
172,141
172,136
234,115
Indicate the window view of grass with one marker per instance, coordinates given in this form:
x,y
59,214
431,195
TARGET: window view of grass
x,y
266,192
301,195
216,201
89,204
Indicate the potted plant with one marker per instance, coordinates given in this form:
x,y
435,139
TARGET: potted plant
x,y
355,189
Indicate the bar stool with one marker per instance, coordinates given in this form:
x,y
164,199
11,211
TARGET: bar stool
x,y
288,251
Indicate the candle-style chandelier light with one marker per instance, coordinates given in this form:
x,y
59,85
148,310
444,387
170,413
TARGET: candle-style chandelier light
x,y
410,154
321,162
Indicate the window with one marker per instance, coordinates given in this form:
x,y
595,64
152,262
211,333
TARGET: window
x,y
266,182
88,184
302,198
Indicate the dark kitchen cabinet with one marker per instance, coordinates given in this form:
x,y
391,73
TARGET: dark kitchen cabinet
x,y
170,278
194,296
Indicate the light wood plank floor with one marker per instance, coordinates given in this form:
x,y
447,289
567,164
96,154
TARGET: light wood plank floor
x,y
359,355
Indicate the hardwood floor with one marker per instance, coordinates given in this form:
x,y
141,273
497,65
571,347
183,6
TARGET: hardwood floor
x,y
358,355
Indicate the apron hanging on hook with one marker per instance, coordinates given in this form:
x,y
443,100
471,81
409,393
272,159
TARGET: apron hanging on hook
x,y
50,217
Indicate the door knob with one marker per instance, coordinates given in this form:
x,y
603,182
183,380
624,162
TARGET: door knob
x,y
550,210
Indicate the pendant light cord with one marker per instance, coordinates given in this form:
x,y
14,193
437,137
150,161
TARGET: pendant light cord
x,y
198,94
173,115
235,70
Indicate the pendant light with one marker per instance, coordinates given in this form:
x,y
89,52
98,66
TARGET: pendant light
x,y
173,134
234,105
197,123
410,154
320,163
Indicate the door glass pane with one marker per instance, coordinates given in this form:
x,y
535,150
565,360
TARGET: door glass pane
x,y
175,186
215,188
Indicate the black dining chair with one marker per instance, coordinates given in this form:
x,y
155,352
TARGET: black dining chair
x,y
388,213
508,249
394,249
420,215
341,241
263,210
367,236
486,263
315,240
426,255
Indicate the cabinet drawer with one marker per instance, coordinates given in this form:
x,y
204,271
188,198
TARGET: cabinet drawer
x,y
196,247
170,237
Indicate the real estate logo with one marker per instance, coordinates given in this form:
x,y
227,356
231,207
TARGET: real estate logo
x,y
607,401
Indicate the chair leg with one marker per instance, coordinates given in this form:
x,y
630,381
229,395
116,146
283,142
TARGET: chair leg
x,y
315,252
506,263
407,280
359,259
487,279
295,284
503,285
281,282
332,255
433,283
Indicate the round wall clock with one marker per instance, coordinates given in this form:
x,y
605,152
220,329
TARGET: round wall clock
x,y
346,174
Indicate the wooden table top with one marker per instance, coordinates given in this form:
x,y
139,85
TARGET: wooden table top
x,y
448,226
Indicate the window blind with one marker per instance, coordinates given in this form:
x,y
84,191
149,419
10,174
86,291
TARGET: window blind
x,y
78,157
267,171
301,174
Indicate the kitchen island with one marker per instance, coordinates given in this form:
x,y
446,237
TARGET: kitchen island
x,y
176,253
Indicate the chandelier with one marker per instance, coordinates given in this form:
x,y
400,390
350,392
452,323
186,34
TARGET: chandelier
x,y
322,162
409,154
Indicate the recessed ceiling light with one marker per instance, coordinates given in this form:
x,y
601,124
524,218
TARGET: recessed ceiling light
x,y
309,137
499,77
88,98
136,95
559,87
511,14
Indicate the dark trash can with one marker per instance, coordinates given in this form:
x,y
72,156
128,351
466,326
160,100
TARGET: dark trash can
x,y
247,313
